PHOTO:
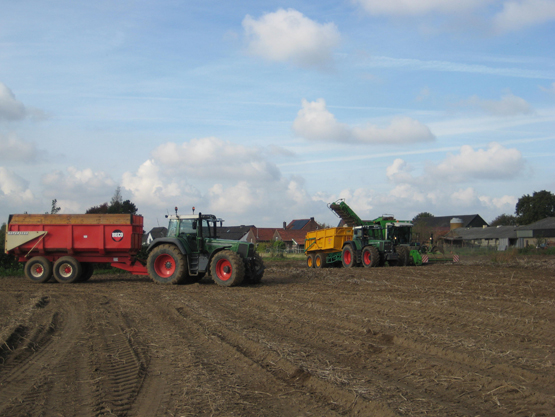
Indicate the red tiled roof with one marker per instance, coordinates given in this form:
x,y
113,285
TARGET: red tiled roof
x,y
263,234
288,235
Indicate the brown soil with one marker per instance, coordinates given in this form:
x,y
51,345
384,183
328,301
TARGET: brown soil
x,y
437,340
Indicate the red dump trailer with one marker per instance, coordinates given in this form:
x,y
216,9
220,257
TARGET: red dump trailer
x,y
66,246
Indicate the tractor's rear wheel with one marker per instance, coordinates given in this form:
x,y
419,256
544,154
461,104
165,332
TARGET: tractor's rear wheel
x,y
67,270
348,258
370,257
227,269
38,269
167,265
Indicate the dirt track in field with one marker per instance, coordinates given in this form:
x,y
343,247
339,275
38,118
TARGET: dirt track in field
x,y
439,340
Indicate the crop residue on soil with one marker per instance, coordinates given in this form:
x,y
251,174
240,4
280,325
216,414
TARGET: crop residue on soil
x,y
439,340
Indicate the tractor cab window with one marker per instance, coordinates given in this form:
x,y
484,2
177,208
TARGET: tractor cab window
x,y
172,228
401,234
187,227
206,229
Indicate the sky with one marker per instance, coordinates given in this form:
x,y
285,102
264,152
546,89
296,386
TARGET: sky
x,y
262,112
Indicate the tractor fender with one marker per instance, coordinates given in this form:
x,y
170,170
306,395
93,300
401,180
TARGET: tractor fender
x,y
215,252
171,240
353,245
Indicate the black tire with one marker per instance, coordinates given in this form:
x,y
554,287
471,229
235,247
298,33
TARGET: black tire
x,y
320,260
403,256
67,270
348,257
167,265
254,270
38,269
370,257
310,260
87,272
227,269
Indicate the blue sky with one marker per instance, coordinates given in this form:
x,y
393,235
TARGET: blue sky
x,y
265,111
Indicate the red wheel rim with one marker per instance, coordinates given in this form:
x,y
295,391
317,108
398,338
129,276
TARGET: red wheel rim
x,y
66,270
367,258
164,265
37,271
224,269
347,257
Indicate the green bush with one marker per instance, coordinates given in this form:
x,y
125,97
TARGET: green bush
x,y
9,265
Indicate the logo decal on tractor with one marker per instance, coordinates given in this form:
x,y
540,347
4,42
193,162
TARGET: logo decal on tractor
x,y
117,235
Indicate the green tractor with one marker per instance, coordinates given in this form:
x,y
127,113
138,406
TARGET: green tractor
x,y
192,250
391,237
367,248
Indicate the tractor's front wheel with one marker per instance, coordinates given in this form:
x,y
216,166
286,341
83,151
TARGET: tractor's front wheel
x,y
370,257
254,270
227,269
167,265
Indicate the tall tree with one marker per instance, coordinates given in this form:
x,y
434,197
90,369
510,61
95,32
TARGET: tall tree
x,y
538,206
421,215
504,220
55,209
116,206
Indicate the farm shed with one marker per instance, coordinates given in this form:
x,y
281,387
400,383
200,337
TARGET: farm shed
x,y
500,237
541,232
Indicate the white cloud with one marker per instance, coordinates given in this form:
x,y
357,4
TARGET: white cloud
x,y
289,36
464,197
151,187
399,171
14,189
14,149
508,105
495,162
315,122
504,203
12,109
420,7
78,185
523,13
215,159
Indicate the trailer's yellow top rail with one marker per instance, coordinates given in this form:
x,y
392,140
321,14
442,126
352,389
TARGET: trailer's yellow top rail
x,y
329,240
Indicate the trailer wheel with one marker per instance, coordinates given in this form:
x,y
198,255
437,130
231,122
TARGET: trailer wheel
x,y
67,270
370,257
227,269
348,257
310,260
254,270
167,265
320,260
88,270
38,269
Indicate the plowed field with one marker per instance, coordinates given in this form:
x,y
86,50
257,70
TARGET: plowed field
x,y
437,340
